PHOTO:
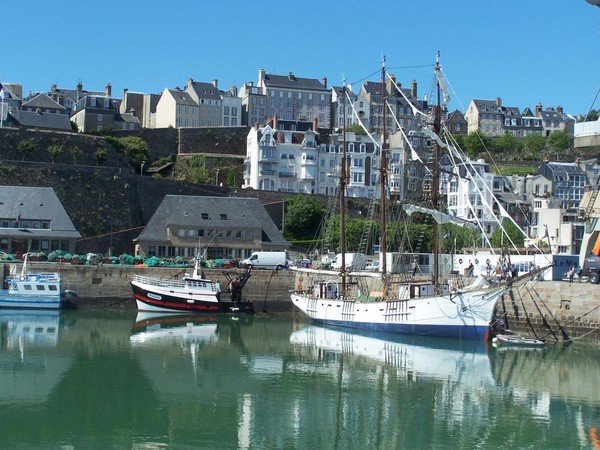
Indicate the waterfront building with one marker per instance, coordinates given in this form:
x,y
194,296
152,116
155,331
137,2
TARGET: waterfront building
x,y
95,113
223,227
32,219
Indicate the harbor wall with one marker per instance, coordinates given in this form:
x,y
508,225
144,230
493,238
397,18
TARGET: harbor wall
x,y
554,310
108,286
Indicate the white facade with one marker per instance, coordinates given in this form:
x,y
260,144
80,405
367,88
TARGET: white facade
x,y
176,109
547,214
470,195
277,160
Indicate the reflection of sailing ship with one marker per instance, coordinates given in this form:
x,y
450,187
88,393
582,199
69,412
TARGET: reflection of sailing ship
x,y
449,360
28,371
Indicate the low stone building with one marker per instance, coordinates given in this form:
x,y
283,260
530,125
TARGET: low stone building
x,y
32,219
221,227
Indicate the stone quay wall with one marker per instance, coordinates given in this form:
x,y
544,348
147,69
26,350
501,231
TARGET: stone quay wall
x,y
108,286
554,310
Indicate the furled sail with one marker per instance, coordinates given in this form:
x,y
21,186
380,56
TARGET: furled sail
x,y
438,216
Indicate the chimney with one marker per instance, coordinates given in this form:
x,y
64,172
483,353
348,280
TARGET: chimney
x,y
215,83
389,84
256,125
498,102
413,89
275,122
261,75
324,81
125,90
53,91
315,123
108,90
559,109
234,90
190,82
538,109
79,90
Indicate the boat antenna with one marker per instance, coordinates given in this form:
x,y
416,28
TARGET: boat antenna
x,y
382,172
436,177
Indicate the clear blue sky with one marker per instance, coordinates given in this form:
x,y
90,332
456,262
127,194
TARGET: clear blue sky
x,y
521,50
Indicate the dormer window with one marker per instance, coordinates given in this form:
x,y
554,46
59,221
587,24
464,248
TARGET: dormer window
x,y
205,216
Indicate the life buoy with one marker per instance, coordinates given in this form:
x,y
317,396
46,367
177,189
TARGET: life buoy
x,y
460,260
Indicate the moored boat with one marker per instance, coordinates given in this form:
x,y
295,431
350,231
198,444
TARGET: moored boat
x,y
446,305
41,290
516,340
192,293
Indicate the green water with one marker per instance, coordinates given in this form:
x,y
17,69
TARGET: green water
x,y
87,380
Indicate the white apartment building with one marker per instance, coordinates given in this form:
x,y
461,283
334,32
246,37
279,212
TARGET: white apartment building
x,y
294,161
470,193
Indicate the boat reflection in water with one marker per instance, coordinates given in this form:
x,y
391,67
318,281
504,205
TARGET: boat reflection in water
x,y
152,328
414,357
29,369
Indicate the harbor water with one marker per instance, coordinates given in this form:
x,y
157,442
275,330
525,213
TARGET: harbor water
x,y
123,380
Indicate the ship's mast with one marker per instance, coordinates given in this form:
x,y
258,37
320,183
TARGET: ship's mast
x,y
343,199
383,174
436,178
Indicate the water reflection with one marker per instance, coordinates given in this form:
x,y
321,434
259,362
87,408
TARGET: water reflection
x,y
122,380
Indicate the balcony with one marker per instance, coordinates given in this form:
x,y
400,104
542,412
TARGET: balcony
x,y
267,172
287,174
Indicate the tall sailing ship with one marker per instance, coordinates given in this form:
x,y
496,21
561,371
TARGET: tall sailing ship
x,y
400,303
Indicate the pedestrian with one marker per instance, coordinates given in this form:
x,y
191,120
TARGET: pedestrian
x,y
414,267
571,274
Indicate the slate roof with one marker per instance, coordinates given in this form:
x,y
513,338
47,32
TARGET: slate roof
x,y
182,97
34,119
206,90
42,101
291,81
36,203
223,212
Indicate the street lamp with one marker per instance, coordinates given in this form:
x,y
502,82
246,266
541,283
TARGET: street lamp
x,y
142,167
217,177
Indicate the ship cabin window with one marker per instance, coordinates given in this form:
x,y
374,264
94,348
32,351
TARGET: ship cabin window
x,y
52,287
40,287
27,287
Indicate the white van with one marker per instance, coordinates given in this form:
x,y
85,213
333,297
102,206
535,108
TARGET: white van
x,y
266,260
353,261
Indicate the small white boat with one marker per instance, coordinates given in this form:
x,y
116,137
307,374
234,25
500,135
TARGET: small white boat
x,y
42,290
513,339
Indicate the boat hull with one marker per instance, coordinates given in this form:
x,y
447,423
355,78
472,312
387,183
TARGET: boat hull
x,y
155,300
464,315
29,302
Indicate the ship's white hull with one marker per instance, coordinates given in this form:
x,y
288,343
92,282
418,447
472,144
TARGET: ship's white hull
x,y
464,315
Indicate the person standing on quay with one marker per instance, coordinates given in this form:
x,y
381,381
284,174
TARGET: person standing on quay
x,y
571,274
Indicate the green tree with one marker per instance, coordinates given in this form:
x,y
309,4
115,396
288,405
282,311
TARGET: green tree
x,y
500,235
357,129
100,154
475,143
199,171
76,153
55,151
303,216
533,144
25,147
506,143
559,141
136,150
230,181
